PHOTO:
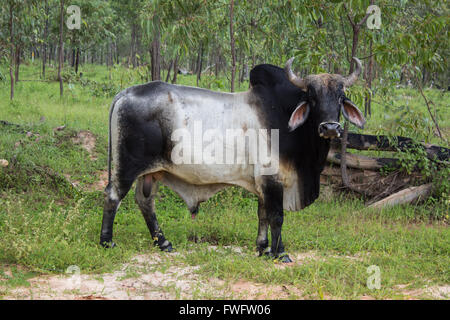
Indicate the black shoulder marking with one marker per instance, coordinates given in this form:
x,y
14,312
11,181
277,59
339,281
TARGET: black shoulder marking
x,y
279,97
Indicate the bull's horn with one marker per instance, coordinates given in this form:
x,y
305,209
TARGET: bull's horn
x,y
350,80
293,78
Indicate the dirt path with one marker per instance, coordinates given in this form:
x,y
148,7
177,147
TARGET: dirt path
x,y
146,277
159,276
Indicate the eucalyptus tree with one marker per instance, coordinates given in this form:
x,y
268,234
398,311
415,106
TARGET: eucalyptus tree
x,y
128,13
415,43
60,54
99,26
19,19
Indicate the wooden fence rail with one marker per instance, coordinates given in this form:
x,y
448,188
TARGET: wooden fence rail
x,y
365,175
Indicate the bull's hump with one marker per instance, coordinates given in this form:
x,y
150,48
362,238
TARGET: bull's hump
x,y
147,88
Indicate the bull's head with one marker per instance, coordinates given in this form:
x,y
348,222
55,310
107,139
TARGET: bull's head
x,y
325,100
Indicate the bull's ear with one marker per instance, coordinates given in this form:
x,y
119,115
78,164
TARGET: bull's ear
x,y
299,116
352,114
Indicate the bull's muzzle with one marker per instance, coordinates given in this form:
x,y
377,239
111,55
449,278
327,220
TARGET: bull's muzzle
x,y
329,130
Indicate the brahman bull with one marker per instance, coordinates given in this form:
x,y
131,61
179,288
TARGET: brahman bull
x,y
293,117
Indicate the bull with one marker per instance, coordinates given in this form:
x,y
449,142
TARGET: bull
x,y
302,113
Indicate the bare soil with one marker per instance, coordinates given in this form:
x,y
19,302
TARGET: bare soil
x,y
153,276
158,276
87,141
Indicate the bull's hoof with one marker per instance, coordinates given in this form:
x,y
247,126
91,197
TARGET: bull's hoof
x,y
265,253
108,244
283,257
166,247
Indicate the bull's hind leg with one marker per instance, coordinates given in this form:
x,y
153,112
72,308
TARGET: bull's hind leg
x,y
146,190
113,197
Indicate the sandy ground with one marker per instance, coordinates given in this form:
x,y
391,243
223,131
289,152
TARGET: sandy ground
x,y
157,276
146,277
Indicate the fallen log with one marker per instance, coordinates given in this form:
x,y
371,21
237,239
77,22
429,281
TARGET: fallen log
x,y
404,196
16,127
362,162
382,143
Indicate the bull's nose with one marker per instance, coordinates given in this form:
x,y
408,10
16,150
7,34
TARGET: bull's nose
x,y
330,130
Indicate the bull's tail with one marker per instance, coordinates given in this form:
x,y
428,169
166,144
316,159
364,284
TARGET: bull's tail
x,y
111,109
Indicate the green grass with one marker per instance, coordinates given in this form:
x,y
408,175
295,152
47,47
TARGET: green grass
x,y
47,225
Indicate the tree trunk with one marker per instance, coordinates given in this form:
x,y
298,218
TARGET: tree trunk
x,y
137,46
17,56
77,60
168,70
50,50
155,52
199,63
240,70
233,50
110,54
175,69
216,66
356,27
12,58
44,45
133,45
368,98
72,63
354,47
61,24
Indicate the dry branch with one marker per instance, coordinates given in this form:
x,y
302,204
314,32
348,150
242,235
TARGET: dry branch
x,y
17,127
361,162
382,143
407,195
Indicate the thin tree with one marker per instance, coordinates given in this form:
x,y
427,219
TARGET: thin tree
x,y
61,24
44,45
356,28
175,68
155,50
199,63
233,50
12,58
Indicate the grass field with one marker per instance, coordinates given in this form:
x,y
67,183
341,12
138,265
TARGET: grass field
x,y
48,224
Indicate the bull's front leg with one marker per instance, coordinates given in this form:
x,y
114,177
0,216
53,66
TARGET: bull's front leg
x,y
262,242
273,206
